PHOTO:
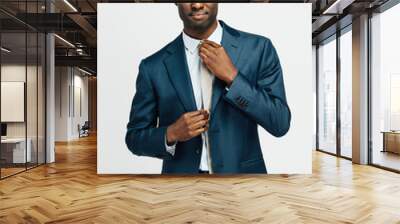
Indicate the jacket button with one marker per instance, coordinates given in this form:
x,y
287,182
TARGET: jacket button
x,y
197,151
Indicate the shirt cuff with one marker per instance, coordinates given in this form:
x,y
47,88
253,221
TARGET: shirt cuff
x,y
170,148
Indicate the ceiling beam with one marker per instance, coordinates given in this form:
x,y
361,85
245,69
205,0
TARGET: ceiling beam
x,y
84,61
337,7
83,23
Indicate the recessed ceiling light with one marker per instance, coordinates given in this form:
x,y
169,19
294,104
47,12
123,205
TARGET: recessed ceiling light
x,y
337,7
84,71
64,40
5,50
70,5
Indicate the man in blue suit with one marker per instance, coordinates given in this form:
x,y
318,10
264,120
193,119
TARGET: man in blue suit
x,y
200,98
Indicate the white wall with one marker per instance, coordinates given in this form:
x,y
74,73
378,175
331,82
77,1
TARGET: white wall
x,y
61,103
33,127
69,81
17,73
13,101
14,73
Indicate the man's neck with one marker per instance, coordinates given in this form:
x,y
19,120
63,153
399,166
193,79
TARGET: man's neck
x,y
201,35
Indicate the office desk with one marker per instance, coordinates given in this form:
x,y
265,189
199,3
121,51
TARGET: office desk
x,y
13,150
391,141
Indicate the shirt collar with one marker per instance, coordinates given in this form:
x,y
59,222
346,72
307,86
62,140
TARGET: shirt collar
x,y
192,43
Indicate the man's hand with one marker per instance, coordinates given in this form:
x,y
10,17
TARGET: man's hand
x,y
216,59
189,125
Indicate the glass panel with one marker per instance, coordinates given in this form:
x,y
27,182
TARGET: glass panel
x,y
31,85
31,99
22,87
41,98
13,90
327,97
346,94
385,83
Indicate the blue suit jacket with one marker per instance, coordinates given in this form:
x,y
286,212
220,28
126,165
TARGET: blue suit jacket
x,y
256,96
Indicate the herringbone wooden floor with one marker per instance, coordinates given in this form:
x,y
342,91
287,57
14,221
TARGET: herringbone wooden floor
x,y
70,191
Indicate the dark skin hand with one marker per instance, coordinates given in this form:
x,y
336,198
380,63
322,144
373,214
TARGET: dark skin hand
x,y
188,126
199,21
215,58
192,124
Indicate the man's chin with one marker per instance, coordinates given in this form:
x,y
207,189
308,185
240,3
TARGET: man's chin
x,y
200,25
199,21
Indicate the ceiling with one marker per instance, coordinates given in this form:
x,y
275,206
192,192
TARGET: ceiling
x,y
76,22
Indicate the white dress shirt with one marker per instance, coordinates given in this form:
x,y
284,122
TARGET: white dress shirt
x,y
194,63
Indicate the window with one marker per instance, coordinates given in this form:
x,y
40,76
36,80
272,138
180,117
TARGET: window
x,y
346,94
385,89
327,97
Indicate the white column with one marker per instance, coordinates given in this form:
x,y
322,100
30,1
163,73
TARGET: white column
x,y
360,90
50,92
50,100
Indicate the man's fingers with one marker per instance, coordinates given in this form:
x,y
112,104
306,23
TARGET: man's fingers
x,y
193,113
207,61
199,124
206,114
208,51
209,47
212,43
198,132
204,58
198,117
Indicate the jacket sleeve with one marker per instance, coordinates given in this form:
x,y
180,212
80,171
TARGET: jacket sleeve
x,y
265,101
144,137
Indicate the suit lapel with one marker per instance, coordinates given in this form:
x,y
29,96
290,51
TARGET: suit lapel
x,y
178,73
231,46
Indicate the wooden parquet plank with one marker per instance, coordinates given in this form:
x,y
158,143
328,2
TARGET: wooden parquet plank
x,y
70,191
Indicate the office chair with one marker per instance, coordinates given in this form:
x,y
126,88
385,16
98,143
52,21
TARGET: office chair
x,y
84,130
